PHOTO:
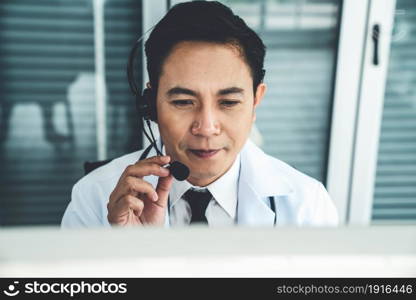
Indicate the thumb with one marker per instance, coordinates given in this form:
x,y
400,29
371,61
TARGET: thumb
x,y
162,189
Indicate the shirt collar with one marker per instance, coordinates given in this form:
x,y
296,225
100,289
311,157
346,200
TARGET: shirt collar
x,y
224,189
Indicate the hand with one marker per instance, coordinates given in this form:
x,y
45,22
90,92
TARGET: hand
x,y
134,201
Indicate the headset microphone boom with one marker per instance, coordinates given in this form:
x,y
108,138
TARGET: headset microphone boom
x,y
146,108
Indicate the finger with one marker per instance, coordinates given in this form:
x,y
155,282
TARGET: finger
x,y
162,189
129,202
145,169
160,160
135,186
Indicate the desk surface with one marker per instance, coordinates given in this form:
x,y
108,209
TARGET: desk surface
x,y
378,251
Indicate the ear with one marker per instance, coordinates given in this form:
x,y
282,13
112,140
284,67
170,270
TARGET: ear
x,y
258,97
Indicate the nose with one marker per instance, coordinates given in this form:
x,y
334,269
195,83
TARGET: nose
x,y
205,123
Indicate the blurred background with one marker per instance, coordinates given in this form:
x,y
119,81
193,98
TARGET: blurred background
x,y
340,106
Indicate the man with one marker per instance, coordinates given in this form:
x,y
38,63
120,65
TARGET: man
x,y
206,74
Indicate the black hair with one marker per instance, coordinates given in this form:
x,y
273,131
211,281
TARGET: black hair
x,y
208,21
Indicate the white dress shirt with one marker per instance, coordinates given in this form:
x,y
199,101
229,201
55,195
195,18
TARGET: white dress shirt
x,y
221,210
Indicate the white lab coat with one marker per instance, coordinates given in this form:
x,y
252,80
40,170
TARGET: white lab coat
x,y
299,199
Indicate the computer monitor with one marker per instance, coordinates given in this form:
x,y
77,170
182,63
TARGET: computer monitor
x,y
378,251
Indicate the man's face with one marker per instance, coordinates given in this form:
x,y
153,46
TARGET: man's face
x,y
205,107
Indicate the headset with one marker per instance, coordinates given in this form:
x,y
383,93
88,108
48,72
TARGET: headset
x,y
146,108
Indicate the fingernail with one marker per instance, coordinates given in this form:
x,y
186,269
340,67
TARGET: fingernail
x,y
155,197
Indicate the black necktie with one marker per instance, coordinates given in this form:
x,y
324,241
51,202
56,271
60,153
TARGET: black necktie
x,y
198,200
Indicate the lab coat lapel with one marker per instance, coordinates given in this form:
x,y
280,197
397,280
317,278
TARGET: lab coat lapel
x,y
259,179
251,209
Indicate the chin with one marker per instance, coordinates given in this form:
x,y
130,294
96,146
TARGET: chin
x,y
203,173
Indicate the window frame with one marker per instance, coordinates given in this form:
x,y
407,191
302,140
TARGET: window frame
x,y
369,114
353,23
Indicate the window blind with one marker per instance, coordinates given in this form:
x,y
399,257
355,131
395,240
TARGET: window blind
x,y
395,186
47,104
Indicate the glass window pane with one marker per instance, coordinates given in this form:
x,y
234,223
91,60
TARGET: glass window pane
x,y
301,39
123,27
47,100
395,186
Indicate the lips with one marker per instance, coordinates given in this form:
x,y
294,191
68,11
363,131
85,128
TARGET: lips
x,y
204,153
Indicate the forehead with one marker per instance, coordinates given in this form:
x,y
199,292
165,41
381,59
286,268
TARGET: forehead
x,y
203,63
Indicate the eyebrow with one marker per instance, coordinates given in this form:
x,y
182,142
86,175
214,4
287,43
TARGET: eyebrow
x,y
231,90
180,91
184,91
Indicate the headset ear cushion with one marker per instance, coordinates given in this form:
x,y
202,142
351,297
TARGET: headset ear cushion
x,y
145,105
141,107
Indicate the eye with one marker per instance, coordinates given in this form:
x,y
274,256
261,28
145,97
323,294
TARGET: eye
x,y
182,103
229,103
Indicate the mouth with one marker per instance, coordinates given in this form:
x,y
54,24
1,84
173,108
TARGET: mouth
x,y
204,153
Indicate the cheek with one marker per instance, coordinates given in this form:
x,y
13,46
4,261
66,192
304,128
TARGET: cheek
x,y
238,127
172,127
